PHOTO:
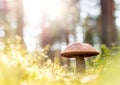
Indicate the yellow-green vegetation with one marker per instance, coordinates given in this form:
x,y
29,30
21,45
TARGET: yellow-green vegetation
x,y
18,67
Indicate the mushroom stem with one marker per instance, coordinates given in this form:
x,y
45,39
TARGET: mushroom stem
x,y
80,64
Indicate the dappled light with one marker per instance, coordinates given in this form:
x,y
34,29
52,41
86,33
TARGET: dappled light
x,y
49,42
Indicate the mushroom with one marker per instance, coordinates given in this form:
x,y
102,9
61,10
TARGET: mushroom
x,y
79,51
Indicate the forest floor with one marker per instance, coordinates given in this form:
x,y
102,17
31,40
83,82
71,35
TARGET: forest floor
x,y
18,67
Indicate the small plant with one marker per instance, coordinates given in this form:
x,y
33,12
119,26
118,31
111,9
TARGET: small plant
x,y
19,67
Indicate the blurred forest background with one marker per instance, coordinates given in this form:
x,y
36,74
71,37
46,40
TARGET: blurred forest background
x,y
57,23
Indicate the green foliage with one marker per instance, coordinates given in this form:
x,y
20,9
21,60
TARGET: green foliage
x,y
18,67
103,61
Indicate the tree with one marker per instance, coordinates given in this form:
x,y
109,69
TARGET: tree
x,y
108,31
19,12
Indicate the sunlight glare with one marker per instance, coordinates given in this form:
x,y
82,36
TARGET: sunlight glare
x,y
88,78
53,8
117,22
34,13
35,10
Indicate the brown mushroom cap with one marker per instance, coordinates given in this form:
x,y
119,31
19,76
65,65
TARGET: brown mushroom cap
x,y
79,49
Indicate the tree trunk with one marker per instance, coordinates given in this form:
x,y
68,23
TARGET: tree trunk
x,y
20,18
108,31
